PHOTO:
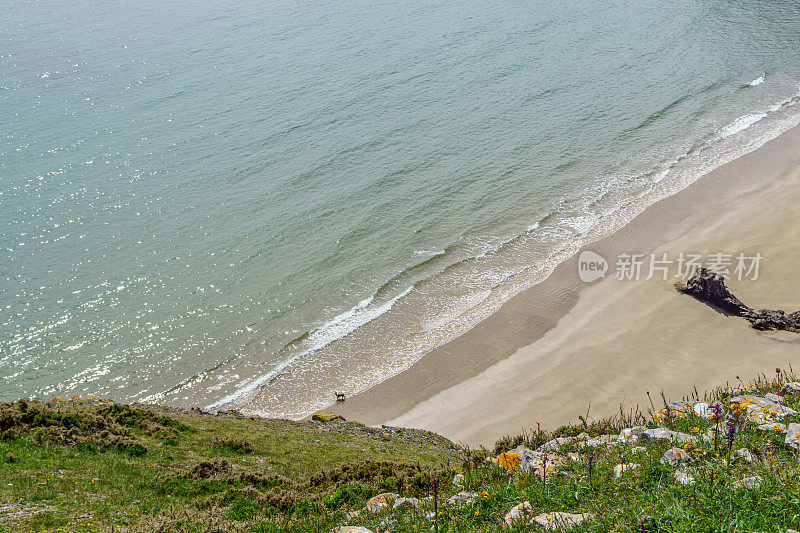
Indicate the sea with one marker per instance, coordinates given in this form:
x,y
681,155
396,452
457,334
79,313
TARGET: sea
x,y
203,203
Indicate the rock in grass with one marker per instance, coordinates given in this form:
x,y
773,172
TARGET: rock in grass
x,y
667,434
744,454
759,410
458,479
793,436
416,503
528,461
381,501
327,416
631,434
776,427
751,482
622,468
553,445
518,512
559,520
773,397
462,497
793,387
683,478
675,456
352,529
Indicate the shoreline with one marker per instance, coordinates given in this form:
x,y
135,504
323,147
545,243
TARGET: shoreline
x,y
472,365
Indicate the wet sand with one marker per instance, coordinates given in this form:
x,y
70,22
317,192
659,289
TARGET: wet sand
x,y
562,345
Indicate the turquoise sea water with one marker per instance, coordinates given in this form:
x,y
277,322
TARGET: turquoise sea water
x,y
201,201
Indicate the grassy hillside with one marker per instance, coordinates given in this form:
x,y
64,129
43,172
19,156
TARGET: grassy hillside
x,y
91,465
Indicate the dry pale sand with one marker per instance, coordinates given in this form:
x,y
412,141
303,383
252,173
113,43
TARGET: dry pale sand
x,y
563,345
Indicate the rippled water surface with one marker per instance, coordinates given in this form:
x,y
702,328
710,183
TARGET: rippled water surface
x,y
200,201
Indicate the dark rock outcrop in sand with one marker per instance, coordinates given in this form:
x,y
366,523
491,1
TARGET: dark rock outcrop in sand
x,y
709,287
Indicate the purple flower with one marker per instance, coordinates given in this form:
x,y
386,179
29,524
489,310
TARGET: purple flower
x,y
591,461
717,410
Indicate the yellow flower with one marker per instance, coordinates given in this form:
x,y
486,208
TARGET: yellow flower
x,y
695,429
485,495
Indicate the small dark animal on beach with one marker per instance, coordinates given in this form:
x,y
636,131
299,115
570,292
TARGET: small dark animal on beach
x,y
340,397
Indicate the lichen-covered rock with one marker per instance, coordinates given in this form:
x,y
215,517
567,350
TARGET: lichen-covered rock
x,y
518,512
631,434
793,436
775,427
638,449
751,482
793,387
773,397
559,520
624,467
667,434
462,498
675,456
744,454
554,445
327,416
757,409
381,501
529,461
416,503
683,478
602,440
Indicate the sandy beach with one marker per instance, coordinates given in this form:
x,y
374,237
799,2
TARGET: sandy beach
x,y
563,345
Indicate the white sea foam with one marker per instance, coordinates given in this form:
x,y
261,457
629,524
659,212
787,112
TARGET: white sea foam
x,y
337,328
740,124
757,81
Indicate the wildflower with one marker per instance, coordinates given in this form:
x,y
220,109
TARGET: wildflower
x,y
544,467
484,495
695,429
716,412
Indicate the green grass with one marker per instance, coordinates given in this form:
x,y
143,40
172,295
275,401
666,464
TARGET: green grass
x,y
226,473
